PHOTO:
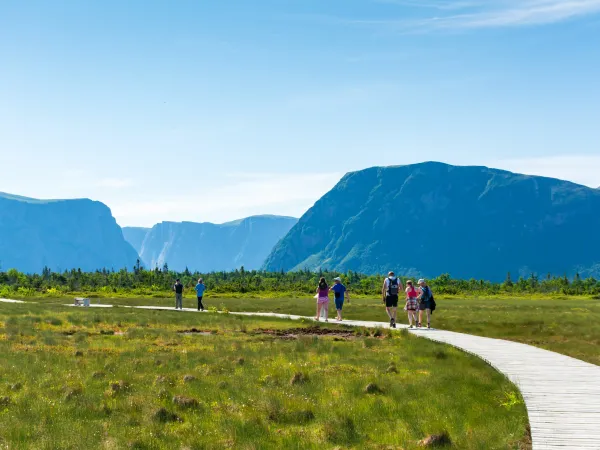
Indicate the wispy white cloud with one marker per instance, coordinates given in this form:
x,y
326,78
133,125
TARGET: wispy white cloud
x,y
524,12
468,15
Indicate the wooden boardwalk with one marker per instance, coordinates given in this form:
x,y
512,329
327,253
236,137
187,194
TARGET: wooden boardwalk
x,y
562,394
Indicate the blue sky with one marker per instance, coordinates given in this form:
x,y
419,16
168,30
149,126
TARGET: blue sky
x,y
215,110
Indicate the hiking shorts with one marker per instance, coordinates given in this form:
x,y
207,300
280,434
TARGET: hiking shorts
x,y
425,304
339,303
391,301
323,300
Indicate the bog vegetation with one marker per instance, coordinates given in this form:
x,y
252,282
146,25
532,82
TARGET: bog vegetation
x,y
142,282
124,378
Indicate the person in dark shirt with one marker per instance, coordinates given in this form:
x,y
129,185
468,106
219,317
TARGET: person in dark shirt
x,y
425,302
178,288
391,287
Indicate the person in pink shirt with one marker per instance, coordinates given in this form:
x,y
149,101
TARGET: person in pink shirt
x,y
411,305
322,299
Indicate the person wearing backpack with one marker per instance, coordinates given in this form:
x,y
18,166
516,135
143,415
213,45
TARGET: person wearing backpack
x,y
426,303
391,287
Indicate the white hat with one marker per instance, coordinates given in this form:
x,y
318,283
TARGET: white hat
x,y
421,281
337,279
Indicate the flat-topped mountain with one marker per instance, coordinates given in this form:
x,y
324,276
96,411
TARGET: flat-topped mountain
x,y
60,234
433,218
208,247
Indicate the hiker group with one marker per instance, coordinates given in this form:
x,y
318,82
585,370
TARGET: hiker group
x,y
417,299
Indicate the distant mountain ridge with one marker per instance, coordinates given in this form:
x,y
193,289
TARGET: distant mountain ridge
x,y
60,234
208,247
433,218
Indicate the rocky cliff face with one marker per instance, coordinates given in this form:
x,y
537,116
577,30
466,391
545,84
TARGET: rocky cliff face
x,y
433,218
208,247
60,234
135,236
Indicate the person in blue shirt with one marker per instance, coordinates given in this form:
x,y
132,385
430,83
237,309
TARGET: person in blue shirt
x,y
200,288
339,291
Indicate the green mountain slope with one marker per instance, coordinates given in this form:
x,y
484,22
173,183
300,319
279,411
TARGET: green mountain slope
x,y
433,218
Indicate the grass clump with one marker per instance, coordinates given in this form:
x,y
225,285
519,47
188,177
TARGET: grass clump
x,y
436,440
164,416
341,430
185,402
372,388
299,378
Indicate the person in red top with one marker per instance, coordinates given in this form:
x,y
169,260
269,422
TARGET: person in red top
x,y
411,305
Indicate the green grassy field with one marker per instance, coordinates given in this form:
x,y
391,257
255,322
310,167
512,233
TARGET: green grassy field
x,y
570,326
121,378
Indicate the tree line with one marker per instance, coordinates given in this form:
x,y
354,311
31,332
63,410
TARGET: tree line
x,y
140,281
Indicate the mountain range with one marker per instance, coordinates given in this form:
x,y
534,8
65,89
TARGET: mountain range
x,y
420,220
208,247
60,234
433,218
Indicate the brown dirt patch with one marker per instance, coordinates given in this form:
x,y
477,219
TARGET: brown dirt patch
x,y
196,331
295,333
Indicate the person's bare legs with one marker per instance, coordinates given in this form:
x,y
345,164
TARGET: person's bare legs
x,y
411,315
394,313
428,318
420,322
389,312
318,316
326,307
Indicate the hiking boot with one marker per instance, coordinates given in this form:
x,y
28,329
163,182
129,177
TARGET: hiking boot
x,y
410,326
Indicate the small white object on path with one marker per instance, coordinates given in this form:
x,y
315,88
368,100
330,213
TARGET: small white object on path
x,y
8,300
562,394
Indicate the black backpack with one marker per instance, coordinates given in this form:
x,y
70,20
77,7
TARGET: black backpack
x,y
393,286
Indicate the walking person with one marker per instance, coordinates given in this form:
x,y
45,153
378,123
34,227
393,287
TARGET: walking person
x,y
339,291
391,287
200,288
322,300
411,305
178,288
425,303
